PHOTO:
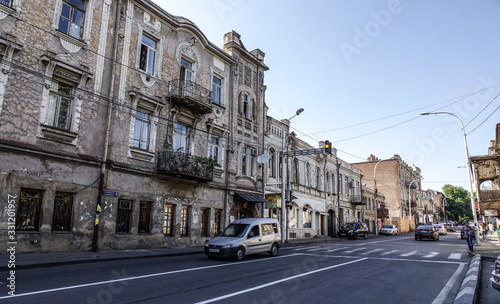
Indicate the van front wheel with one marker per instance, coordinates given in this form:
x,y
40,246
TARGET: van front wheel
x,y
240,253
274,250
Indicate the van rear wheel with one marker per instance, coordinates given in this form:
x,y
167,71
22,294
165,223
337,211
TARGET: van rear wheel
x,y
274,250
240,253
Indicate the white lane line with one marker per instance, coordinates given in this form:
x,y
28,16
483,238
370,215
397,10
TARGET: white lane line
x,y
354,250
390,252
372,251
455,256
409,253
276,282
314,249
137,277
446,290
336,249
431,254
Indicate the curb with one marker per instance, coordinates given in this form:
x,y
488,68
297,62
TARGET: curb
x,y
468,290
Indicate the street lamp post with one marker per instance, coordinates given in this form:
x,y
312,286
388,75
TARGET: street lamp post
x,y
283,198
375,195
469,169
409,199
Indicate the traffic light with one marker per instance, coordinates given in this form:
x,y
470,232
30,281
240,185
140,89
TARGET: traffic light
x,y
328,147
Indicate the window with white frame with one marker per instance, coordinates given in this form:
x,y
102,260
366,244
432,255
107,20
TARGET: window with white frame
x,y
181,138
59,107
141,130
72,18
271,168
244,161
217,90
148,54
308,175
214,149
318,178
341,189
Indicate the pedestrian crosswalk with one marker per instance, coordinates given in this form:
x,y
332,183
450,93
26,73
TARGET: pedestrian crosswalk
x,y
380,252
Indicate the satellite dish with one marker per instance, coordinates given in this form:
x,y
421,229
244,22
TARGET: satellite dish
x,y
263,158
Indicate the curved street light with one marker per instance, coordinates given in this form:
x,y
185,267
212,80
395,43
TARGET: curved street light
x,y
469,168
283,199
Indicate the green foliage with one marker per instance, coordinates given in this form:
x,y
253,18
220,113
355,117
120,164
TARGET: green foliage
x,y
459,202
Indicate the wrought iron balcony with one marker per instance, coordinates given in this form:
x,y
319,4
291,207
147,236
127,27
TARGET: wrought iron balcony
x,y
357,200
190,95
185,165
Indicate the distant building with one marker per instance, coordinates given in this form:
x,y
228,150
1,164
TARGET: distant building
x,y
401,184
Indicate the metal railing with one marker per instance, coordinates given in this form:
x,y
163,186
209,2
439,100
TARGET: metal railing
x,y
187,88
185,165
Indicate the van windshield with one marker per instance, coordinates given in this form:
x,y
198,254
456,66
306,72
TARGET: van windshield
x,y
235,230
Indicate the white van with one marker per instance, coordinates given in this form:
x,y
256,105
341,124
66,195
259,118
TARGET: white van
x,y
246,236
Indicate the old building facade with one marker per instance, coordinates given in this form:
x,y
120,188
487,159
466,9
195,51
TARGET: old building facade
x,y
401,184
325,191
122,126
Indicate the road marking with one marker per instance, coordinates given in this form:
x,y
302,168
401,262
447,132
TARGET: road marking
x,y
354,250
138,277
332,250
455,256
409,253
390,252
431,254
372,251
446,290
314,249
276,282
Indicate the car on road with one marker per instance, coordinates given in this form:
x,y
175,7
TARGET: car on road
x,y
426,232
449,227
389,229
246,236
440,229
353,230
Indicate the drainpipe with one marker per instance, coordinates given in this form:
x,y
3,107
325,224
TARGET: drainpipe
x,y
108,127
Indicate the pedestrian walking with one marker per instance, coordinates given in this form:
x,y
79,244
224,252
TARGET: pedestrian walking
x,y
484,229
490,228
468,230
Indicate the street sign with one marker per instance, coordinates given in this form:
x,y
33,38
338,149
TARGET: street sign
x,y
109,193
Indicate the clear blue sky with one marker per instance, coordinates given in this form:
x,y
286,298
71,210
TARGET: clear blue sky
x,y
364,70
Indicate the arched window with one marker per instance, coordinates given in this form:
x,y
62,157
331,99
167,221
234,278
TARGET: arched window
x,y
296,170
318,179
308,175
327,182
271,169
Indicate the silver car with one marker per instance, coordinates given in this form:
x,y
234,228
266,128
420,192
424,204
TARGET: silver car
x,y
246,236
389,229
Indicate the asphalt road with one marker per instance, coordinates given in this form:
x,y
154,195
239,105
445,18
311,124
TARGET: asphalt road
x,y
389,269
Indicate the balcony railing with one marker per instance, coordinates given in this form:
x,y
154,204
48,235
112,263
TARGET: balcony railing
x,y
191,95
185,165
356,200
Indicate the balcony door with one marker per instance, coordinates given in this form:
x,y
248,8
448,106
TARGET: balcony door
x,y
186,77
181,138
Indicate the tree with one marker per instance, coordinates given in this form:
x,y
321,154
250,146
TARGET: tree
x,y
458,202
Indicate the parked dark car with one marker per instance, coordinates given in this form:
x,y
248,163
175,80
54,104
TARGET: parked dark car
x,y
426,232
353,230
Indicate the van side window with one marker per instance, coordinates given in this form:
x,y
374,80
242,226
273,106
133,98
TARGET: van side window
x,y
267,229
254,231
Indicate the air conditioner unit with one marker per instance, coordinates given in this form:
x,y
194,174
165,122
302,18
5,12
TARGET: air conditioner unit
x,y
125,205
255,151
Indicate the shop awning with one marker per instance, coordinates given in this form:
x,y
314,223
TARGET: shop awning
x,y
252,198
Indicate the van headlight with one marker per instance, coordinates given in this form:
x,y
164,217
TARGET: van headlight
x,y
227,245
